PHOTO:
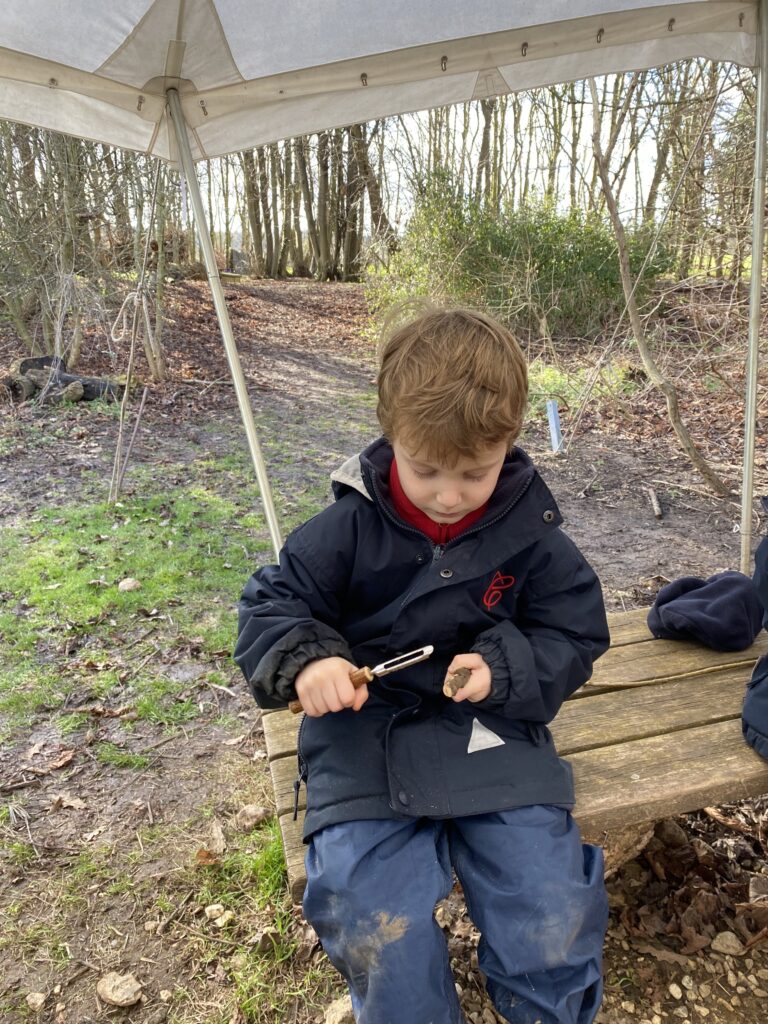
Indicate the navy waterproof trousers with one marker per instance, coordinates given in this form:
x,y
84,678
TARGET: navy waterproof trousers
x,y
532,889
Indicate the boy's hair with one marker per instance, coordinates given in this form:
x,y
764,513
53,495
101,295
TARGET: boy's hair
x,y
452,381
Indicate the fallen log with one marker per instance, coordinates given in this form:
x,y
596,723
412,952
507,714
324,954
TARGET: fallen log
x,y
45,379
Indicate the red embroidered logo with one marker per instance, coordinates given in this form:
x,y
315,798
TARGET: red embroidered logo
x,y
498,585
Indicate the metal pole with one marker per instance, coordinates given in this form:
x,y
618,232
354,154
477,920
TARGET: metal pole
x,y
241,390
755,292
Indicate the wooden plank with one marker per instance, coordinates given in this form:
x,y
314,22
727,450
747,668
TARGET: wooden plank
x,y
628,627
624,715
662,775
653,660
281,732
295,851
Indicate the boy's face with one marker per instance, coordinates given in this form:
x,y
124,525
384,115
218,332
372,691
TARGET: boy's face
x,y
447,494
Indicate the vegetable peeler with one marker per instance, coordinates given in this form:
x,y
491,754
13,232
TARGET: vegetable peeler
x,y
366,675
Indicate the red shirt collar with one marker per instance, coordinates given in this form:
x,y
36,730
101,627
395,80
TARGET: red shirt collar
x,y
438,533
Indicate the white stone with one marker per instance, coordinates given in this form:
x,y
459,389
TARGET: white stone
x,y
119,989
675,991
340,1012
214,910
728,943
36,1001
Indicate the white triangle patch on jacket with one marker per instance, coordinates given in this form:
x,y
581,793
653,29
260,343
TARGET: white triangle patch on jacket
x,y
482,738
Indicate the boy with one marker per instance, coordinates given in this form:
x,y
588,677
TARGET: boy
x,y
442,533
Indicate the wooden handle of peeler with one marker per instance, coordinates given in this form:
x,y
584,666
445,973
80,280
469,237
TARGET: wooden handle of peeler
x,y
357,678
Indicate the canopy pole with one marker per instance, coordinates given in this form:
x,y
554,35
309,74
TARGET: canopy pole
x,y
209,258
755,293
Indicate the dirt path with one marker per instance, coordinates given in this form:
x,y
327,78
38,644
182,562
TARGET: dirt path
x,y
113,849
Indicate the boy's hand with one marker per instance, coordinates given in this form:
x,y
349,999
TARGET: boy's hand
x,y
479,685
324,685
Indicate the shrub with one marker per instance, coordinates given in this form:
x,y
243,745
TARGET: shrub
x,y
541,271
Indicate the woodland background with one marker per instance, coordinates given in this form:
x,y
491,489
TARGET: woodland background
x,y
608,223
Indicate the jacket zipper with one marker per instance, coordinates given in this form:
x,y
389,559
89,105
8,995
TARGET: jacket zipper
x,y
303,772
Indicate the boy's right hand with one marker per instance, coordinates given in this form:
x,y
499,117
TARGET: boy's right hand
x,y
324,685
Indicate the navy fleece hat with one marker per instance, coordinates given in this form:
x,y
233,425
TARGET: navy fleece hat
x,y
723,612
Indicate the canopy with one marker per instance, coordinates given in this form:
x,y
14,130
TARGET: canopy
x,y
253,71
194,79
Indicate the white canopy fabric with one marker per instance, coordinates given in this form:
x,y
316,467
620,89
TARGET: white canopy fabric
x,y
254,71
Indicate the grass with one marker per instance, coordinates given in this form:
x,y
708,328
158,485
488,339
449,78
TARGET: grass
x,y
61,593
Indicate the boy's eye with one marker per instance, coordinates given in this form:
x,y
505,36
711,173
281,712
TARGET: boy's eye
x,y
476,479
425,474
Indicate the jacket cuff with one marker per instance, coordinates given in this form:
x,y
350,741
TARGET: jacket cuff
x,y
276,672
510,681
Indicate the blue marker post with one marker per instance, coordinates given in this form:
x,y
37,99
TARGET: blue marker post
x,y
554,425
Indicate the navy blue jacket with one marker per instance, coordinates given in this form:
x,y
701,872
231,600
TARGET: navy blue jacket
x,y
358,582
754,715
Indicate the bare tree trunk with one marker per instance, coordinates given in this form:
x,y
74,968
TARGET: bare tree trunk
x,y
654,374
323,208
301,146
379,219
252,202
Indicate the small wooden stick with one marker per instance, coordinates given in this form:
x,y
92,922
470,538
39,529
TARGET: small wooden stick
x,y
655,503
358,677
455,680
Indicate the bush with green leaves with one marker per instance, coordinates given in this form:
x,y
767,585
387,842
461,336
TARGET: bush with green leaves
x,y
543,272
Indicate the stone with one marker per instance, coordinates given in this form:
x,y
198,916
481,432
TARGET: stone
x,y
36,1001
340,1012
214,910
670,833
701,1010
118,989
675,991
224,919
727,943
251,815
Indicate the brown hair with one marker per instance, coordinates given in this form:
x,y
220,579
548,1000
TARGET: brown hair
x,y
452,381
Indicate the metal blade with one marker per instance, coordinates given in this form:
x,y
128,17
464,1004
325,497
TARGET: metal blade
x,y
403,661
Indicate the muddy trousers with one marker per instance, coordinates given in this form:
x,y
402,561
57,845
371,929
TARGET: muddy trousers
x,y
535,893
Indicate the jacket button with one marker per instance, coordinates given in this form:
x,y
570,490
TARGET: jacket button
x,y
421,559
446,573
402,796
548,516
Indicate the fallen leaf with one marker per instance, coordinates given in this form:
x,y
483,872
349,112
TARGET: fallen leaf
x,y
205,859
59,800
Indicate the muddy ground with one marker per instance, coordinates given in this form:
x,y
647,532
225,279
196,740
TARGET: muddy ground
x,y
311,379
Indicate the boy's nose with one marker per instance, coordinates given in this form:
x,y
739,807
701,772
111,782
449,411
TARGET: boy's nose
x,y
448,499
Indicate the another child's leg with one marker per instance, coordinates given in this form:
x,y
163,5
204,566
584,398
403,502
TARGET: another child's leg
x,y
371,892
538,898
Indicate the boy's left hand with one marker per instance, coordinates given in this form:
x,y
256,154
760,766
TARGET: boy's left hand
x,y
479,685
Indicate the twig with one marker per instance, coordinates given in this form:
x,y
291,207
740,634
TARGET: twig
x,y
224,689
205,935
159,743
10,787
175,913
655,504
124,466
583,492
761,936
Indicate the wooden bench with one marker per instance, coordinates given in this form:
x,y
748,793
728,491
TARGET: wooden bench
x,y
656,731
